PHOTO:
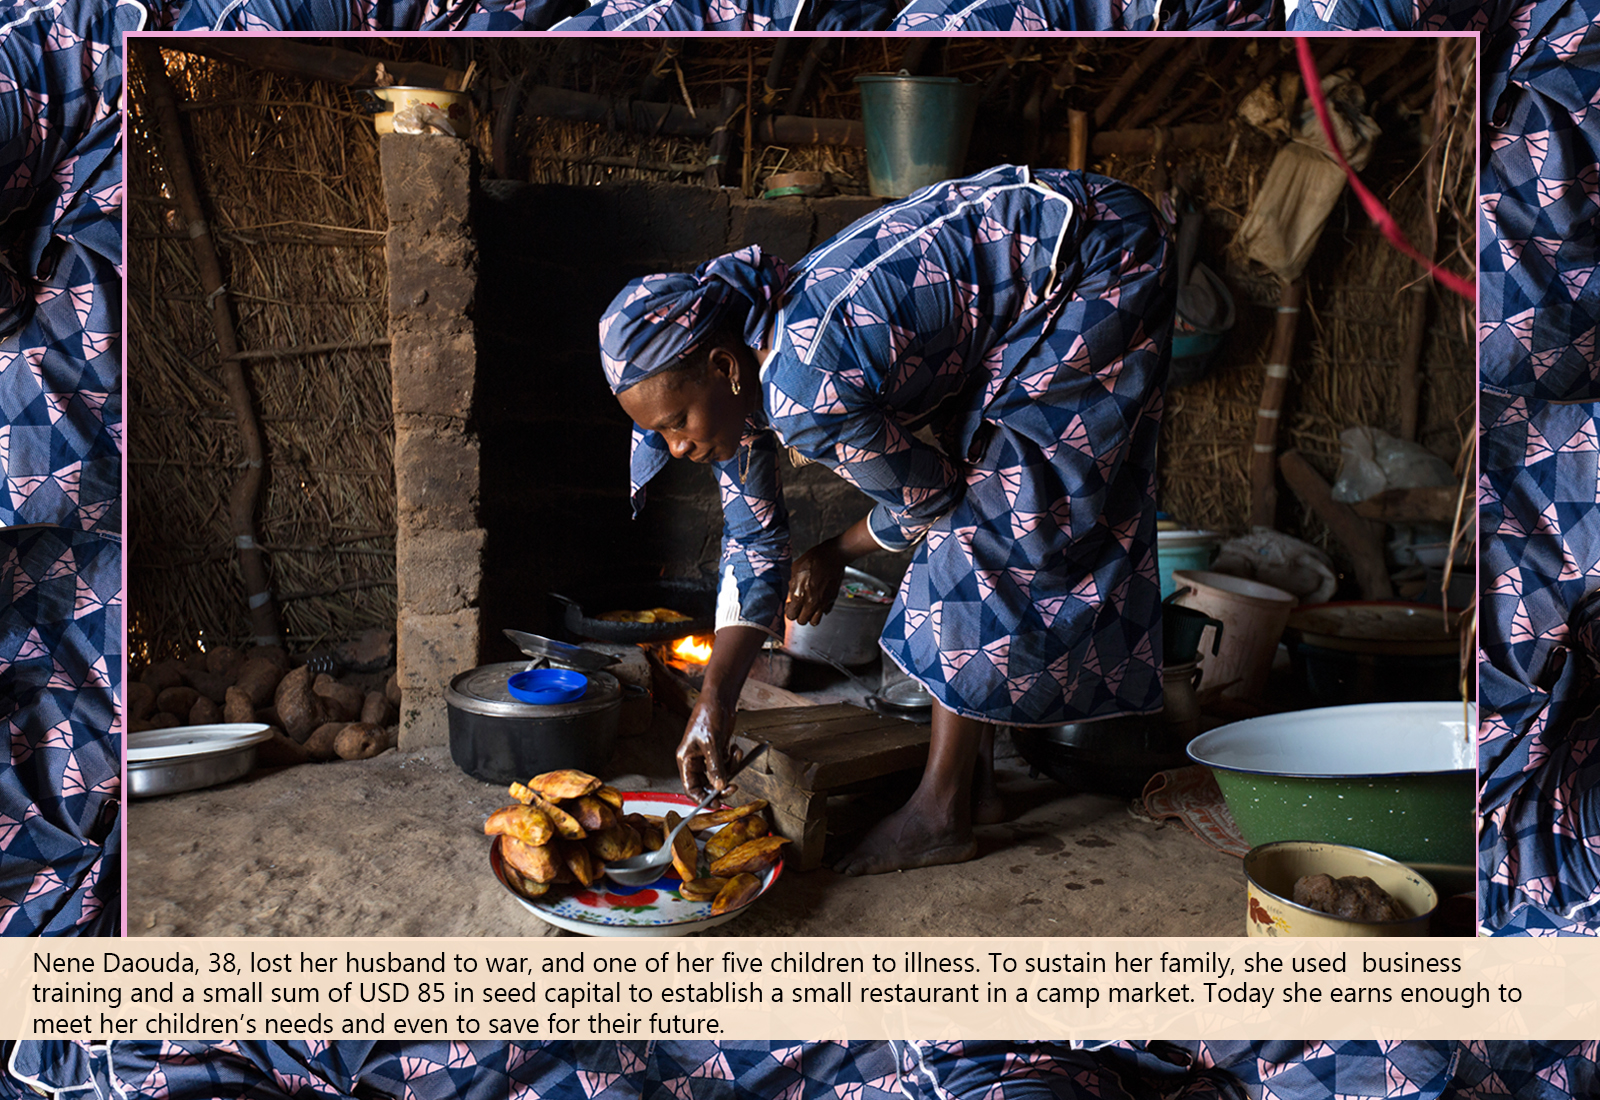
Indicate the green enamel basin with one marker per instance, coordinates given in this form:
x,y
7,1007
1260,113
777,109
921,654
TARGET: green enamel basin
x,y
1395,778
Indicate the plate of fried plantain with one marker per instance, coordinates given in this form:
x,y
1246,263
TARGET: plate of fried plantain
x,y
549,852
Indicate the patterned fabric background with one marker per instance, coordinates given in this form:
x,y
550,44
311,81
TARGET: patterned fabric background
x,y
708,1070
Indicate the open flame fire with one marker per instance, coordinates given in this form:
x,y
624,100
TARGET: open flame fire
x,y
696,649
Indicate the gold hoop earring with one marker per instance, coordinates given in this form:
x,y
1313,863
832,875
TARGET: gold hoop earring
x,y
733,384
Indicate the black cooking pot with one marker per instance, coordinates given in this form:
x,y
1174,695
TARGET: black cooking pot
x,y
694,598
498,739
1107,756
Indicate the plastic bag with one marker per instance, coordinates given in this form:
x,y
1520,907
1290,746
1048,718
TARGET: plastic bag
x,y
1282,561
1374,461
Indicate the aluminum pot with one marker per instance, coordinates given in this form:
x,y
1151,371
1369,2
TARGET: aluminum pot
x,y
497,739
849,633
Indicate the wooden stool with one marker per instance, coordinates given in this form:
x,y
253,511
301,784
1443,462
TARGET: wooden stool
x,y
812,751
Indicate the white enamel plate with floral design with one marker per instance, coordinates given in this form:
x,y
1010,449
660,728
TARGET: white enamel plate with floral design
x,y
607,909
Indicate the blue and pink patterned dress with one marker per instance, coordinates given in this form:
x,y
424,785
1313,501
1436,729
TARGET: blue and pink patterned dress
x,y
732,15
921,15
1084,15
795,1070
371,15
984,360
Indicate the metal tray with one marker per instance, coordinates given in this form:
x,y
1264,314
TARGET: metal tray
x,y
193,768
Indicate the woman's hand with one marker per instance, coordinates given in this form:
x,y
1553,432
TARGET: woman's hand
x,y
702,754
814,582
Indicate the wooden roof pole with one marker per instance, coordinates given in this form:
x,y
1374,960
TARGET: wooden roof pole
x,y
246,491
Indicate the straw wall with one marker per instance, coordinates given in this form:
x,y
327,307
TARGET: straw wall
x,y
288,168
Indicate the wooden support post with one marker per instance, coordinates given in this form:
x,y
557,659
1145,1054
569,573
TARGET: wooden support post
x,y
244,496
1078,140
746,176
718,163
1356,535
1263,479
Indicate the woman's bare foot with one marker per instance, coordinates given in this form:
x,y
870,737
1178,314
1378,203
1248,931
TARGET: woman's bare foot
x,y
907,838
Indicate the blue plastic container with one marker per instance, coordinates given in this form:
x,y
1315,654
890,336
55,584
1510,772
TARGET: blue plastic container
x,y
916,128
547,686
1184,550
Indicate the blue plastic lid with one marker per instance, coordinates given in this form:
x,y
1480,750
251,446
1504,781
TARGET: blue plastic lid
x,y
547,686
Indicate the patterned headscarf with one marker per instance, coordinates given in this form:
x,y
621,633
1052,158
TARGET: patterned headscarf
x,y
659,319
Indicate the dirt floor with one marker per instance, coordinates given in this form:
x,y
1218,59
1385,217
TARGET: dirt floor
x,y
393,846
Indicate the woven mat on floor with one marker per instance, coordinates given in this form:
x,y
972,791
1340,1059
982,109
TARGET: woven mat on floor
x,y
1192,796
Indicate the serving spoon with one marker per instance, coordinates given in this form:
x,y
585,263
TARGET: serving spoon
x,y
643,869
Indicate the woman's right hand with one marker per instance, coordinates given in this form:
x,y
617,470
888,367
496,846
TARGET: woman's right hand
x,y
702,753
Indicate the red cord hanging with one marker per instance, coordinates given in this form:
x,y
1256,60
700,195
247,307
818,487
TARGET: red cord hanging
x,y
1370,202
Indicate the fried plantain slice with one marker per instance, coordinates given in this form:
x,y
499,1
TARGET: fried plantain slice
x,y
723,816
526,823
539,862
610,796
567,783
621,841
651,835
740,890
521,883
753,856
583,864
593,814
522,794
730,836
685,855
566,826
701,889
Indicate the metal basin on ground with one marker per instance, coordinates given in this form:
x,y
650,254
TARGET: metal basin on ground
x,y
1395,778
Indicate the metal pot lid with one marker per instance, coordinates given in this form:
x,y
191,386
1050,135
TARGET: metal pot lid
x,y
568,656
483,691
908,695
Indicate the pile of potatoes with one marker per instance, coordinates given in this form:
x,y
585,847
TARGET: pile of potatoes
x,y
314,716
567,825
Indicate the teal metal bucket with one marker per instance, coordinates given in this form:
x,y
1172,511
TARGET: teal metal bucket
x,y
917,129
